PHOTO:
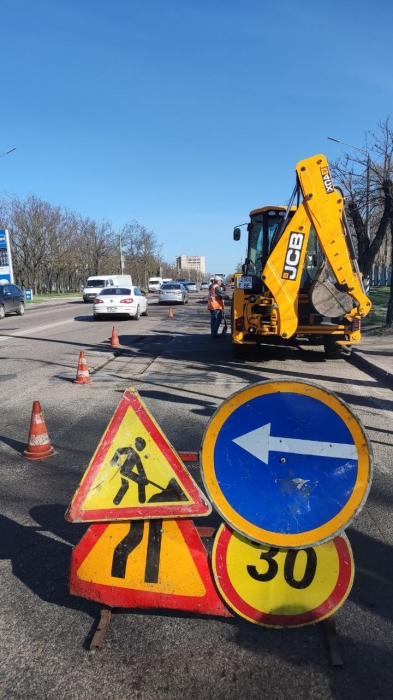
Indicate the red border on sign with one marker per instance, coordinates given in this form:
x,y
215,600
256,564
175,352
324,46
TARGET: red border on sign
x,y
209,604
327,607
75,511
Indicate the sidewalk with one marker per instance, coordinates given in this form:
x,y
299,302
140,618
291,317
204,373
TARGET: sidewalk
x,y
375,353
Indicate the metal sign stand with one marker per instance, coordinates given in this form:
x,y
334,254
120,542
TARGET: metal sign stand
x,y
102,627
329,624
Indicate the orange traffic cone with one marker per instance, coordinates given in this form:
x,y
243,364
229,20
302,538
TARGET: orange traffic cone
x,y
39,445
170,312
82,373
115,339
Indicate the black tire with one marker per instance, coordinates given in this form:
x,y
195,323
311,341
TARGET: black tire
x,y
160,303
2,311
146,313
332,350
238,351
86,301
21,309
137,315
97,317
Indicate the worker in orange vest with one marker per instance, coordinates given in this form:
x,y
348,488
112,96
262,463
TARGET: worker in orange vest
x,y
215,304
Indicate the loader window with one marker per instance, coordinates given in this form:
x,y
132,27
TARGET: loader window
x,y
313,259
255,247
262,230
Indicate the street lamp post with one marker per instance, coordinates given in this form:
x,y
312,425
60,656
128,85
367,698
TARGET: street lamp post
x,y
7,152
362,150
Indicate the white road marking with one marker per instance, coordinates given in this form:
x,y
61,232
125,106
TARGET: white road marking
x,y
259,443
29,331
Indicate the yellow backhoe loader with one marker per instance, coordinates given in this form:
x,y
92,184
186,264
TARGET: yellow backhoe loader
x,y
300,280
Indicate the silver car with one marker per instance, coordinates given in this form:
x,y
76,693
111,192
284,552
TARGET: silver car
x,y
173,293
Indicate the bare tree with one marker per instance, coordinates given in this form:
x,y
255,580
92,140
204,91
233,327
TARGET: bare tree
x,y
97,246
366,178
53,248
34,227
143,252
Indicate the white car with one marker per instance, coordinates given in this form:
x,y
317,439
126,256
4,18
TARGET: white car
x,y
120,301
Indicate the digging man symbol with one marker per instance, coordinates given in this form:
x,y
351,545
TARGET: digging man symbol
x,y
132,470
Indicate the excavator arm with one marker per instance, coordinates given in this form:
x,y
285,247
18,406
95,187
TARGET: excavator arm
x,y
322,207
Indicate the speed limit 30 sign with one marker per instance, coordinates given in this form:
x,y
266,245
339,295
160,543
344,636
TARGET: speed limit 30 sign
x,y
282,587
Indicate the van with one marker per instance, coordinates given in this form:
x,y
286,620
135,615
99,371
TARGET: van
x,y
154,284
95,284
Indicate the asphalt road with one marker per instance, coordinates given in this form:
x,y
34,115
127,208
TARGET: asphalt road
x,y
182,376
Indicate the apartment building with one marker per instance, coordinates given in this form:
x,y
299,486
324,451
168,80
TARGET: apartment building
x,y
191,263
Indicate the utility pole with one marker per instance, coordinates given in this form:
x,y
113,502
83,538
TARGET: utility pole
x,y
121,255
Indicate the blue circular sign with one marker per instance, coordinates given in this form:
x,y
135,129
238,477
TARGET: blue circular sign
x,y
286,463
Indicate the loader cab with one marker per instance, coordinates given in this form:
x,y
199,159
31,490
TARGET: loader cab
x,y
264,226
264,230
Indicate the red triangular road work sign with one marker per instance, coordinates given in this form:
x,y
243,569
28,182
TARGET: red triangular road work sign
x,y
145,564
135,473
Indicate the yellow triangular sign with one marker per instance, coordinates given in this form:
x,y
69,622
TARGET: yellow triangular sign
x,y
145,564
135,473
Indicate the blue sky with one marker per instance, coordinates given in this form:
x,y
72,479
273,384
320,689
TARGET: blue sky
x,y
184,114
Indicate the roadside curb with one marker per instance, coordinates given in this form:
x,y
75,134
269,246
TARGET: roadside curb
x,y
103,364
362,362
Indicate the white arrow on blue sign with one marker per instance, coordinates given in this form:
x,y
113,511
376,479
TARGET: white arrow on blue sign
x,y
259,443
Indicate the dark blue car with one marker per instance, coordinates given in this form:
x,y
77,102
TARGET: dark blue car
x,y
12,299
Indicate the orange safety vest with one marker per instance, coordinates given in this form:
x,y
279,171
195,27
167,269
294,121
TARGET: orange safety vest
x,y
214,301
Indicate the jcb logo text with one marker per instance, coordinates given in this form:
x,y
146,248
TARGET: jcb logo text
x,y
293,255
327,180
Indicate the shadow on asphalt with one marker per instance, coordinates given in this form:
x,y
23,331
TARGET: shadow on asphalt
x,y
41,562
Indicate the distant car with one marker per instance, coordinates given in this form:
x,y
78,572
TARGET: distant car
x,y
204,285
191,286
173,293
12,300
120,301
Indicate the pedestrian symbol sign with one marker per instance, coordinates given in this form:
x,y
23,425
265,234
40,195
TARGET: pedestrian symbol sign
x,y
135,473
286,463
282,587
145,564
